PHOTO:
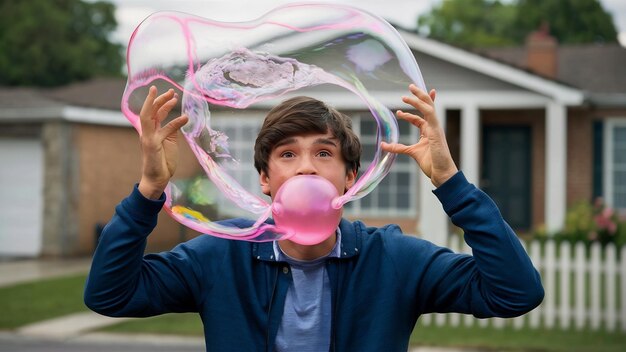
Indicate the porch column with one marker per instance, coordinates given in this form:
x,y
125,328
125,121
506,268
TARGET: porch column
x,y
470,144
433,221
556,166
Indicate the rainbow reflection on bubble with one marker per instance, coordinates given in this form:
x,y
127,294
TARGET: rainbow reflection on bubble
x,y
229,67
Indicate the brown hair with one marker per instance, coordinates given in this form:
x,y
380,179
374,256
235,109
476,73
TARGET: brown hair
x,y
302,115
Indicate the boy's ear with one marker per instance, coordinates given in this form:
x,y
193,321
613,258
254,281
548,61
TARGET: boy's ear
x,y
350,179
264,180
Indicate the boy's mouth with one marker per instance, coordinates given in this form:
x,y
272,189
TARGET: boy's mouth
x,y
303,206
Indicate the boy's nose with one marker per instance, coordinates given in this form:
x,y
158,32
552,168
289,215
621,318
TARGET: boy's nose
x,y
306,167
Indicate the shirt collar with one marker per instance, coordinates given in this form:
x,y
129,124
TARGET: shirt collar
x,y
349,244
334,253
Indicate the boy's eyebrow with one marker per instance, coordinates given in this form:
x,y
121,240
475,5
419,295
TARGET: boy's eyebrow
x,y
290,140
328,141
285,141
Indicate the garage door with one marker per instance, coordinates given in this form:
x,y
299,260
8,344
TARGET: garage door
x,y
21,197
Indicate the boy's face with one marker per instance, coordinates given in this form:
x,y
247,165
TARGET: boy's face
x,y
310,154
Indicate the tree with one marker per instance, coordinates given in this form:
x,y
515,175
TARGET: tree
x,y
570,21
54,42
490,23
469,23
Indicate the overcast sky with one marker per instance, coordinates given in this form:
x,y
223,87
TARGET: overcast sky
x,y
129,13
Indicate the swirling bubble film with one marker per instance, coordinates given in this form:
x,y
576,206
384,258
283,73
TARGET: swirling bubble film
x,y
232,73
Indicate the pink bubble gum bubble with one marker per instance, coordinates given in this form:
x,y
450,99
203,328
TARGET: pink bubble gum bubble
x,y
303,206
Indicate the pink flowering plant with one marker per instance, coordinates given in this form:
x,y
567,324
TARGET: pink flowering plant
x,y
595,222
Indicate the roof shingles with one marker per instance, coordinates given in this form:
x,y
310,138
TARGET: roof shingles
x,y
593,68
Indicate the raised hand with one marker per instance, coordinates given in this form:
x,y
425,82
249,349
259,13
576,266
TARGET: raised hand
x,y
431,152
158,143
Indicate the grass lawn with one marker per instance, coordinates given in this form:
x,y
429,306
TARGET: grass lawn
x,y
27,303
509,339
31,302
188,324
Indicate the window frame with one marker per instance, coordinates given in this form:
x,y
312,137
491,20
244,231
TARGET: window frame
x,y
223,122
356,207
609,167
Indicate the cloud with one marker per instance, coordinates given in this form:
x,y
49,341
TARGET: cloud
x,y
129,13
401,12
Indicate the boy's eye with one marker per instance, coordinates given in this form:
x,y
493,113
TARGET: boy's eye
x,y
324,154
287,155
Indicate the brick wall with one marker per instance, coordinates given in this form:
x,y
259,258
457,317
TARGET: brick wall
x,y
579,156
110,162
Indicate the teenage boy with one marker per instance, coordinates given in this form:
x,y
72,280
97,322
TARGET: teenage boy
x,y
361,289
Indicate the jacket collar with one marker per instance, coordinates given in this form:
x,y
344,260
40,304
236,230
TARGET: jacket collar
x,y
350,244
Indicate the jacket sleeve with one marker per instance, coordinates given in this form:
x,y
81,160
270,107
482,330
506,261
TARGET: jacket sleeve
x,y
122,282
499,279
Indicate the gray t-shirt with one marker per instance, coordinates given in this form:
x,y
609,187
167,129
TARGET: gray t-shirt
x,y
305,325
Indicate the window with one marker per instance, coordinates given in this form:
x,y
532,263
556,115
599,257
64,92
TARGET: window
x,y
396,195
615,163
241,132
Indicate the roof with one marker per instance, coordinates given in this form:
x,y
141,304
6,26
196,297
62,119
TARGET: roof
x,y
501,70
18,104
19,97
94,101
596,68
101,93
595,71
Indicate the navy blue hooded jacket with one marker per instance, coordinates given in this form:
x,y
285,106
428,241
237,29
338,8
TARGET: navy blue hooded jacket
x,y
380,285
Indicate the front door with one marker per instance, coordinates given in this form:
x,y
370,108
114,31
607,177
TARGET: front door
x,y
506,173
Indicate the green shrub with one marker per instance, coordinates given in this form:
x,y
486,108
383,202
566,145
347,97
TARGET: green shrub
x,y
588,223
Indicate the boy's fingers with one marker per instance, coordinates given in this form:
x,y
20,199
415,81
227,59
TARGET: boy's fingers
x,y
411,118
420,93
165,109
396,148
146,109
424,98
424,102
173,126
147,104
419,104
163,98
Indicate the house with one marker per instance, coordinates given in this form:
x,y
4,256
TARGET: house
x,y
553,136
68,156
538,128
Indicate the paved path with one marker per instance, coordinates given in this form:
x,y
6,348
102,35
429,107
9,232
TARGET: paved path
x,y
99,343
69,326
23,270
74,333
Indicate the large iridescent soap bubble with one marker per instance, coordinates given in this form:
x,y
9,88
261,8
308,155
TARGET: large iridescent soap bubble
x,y
230,67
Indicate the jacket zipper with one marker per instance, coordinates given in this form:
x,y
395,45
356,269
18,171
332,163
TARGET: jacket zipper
x,y
269,310
333,324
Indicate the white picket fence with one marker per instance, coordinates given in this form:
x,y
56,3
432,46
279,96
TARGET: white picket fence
x,y
582,290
